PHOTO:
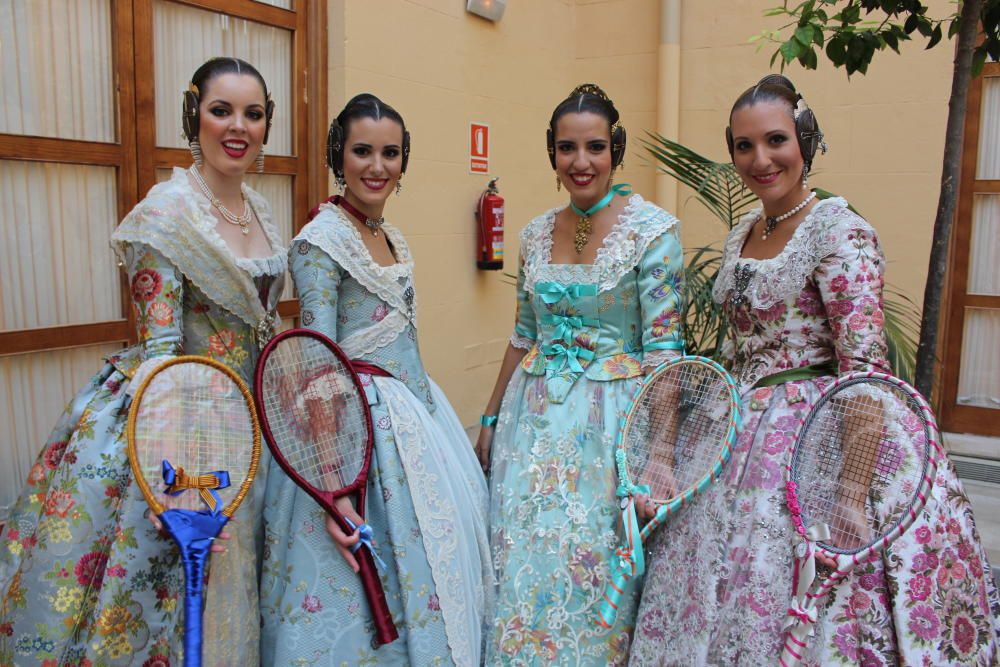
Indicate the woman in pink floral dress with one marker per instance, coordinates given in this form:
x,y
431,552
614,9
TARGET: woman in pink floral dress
x,y
802,281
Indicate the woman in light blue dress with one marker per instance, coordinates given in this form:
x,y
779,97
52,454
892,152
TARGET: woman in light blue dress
x,y
599,304
427,496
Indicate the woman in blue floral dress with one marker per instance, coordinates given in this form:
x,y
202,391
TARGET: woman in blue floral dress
x,y
85,579
804,293
427,496
599,303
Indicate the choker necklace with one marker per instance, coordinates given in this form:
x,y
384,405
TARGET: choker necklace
x,y
371,223
584,228
242,220
771,221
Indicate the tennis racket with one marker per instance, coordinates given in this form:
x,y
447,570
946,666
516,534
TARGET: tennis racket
x,y
674,440
860,472
315,419
193,445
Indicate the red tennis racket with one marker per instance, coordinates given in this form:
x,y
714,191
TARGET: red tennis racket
x,y
315,419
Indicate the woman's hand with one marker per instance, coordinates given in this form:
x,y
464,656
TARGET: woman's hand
x,y
343,541
483,444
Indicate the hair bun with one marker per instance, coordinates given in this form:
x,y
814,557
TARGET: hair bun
x,y
592,89
777,80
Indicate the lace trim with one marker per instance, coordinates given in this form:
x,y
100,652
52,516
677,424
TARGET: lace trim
x,y
334,234
381,334
435,517
177,222
639,224
654,358
777,278
521,342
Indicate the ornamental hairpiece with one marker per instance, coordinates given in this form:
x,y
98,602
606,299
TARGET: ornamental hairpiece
x,y
591,89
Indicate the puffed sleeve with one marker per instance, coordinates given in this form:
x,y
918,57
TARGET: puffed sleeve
x,y
661,294
317,278
525,332
157,289
850,282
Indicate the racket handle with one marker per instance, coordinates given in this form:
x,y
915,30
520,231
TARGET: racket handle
x,y
791,652
607,612
385,629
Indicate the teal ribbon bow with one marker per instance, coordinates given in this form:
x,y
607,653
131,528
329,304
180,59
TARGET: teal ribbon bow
x,y
567,325
178,482
563,356
555,292
621,189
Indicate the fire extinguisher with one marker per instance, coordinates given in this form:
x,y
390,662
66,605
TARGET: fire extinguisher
x,y
489,237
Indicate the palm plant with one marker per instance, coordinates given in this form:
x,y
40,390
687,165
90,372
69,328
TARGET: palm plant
x,y
719,188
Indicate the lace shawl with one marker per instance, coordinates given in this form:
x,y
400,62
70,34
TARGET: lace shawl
x,y
782,276
639,224
334,234
177,222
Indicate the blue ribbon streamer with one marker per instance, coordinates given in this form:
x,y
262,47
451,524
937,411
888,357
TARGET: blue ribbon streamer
x,y
366,539
563,356
552,292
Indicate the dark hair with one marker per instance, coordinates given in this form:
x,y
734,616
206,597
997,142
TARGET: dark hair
x,y
214,67
363,105
210,69
779,88
589,98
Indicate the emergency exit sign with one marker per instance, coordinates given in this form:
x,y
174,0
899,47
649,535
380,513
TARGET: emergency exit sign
x,y
479,148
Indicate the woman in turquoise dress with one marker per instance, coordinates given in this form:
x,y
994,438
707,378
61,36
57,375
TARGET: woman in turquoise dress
x,y
599,304
85,579
427,496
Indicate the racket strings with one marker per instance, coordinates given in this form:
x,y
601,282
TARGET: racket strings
x,y
859,463
315,413
194,417
677,429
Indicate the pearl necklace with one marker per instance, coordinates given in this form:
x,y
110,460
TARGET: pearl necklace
x,y
243,221
770,222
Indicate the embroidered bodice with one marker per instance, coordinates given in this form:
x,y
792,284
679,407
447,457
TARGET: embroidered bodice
x,y
190,293
368,309
818,301
605,320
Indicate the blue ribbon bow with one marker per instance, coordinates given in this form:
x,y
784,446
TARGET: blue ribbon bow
x,y
555,292
563,356
567,325
366,539
178,482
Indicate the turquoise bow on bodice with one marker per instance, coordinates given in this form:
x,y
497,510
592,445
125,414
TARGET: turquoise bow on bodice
x,y
563,356
566,326
555,292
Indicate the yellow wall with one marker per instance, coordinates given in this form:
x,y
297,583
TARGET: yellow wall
x,y
442,68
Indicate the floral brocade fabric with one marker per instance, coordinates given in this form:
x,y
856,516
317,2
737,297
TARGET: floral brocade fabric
x,y
718,581
85,579
554,516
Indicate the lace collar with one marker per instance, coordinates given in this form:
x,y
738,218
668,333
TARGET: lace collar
x,y
776,278
639,224
177,222
336,235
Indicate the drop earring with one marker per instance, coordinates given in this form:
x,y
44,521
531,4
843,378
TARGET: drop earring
x,y
558,184
399,186
195,148
805,175
259,162
341,182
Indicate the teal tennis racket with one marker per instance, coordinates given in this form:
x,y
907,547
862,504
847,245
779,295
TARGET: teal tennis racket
x,y
675,439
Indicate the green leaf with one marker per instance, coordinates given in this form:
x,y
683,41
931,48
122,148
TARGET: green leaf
x,y
978,60
808,59
935,37
804,35
790,50
836,51
890,39
775,11
911,23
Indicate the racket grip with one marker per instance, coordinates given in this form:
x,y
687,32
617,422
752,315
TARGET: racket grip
x,y
607,612
385,629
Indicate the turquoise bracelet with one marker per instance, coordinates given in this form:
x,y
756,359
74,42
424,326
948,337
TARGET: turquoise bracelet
x,y
489,420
